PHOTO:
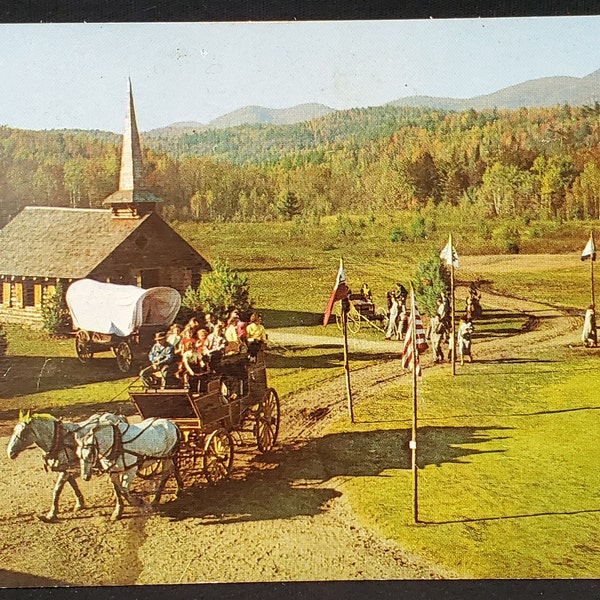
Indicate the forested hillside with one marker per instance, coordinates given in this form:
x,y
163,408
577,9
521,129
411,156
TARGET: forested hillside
x,y
526,163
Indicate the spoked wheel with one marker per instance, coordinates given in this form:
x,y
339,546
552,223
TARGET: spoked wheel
x,y
267,421
337,311
382,317
353,321
83,346
218,456
124,357
189,460
150,468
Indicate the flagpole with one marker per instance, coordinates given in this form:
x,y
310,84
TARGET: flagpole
x,y
413,442
345,310
592,270
453,327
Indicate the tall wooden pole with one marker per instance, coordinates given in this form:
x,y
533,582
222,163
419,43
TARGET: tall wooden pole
x,y
413,442
452,303
593,295
592,279
345,311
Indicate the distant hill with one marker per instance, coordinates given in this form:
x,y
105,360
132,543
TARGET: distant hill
x,y
252,115
248,115
547,91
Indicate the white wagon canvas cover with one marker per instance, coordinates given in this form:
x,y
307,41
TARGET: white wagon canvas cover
x,y
110,308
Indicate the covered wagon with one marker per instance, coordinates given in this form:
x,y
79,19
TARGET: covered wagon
x,y
121,318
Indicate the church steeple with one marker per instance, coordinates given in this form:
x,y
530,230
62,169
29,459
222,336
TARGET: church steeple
x,y
131,199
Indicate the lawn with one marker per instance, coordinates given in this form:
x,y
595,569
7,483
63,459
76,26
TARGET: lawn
x,y
508,477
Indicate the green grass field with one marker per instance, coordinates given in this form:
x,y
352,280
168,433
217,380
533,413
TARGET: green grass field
x,y
507,454
508,479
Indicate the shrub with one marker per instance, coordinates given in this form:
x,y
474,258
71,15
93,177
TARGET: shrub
x,y
508,238
431,278
398,234
219,292
55,316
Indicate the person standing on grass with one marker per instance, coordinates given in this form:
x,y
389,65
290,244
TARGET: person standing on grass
x,y
589,335
465,330
435,333
392,330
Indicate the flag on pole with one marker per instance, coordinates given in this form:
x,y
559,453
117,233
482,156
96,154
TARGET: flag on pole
x,y
415,331
340,291
590,250
449,254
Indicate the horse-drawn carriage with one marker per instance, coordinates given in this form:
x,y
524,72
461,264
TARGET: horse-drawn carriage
x,y
184,433
362,310
231,399
119,318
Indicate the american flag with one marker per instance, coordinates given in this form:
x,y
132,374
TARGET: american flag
x,y
415,331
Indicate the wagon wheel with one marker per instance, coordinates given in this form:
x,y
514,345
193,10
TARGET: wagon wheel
x,y
337,311
353,321
124,356
83,346
150,468
382,316
353,318
218,456
267,421
189,460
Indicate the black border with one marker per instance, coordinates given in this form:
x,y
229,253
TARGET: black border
x,y
102,11
105,11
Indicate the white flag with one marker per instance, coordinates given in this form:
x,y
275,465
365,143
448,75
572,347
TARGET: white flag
x,y
590,250
449,254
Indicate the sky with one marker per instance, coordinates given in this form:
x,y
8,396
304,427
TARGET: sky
x,y
58,76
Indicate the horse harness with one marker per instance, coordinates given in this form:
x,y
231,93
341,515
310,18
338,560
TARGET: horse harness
x,y
117,449
52,457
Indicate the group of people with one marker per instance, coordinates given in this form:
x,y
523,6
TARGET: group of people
x,y
397,313
439,330
187,352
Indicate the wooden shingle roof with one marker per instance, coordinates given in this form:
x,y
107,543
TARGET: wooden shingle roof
x,y
61,242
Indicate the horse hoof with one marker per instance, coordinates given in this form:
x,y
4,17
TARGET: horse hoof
x,y
115,517
48,518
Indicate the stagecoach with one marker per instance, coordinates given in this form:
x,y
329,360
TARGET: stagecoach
x,y
230,399
119,318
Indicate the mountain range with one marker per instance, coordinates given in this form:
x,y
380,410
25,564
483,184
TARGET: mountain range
x,y
546,91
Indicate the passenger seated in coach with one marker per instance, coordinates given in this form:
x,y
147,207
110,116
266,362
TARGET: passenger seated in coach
x,y
257,335
231,335
192,366
215,344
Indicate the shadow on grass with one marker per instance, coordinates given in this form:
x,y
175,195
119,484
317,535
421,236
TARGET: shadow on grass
x,y
32,374
513,360
508,517
292,482
279,319
71,412
323,361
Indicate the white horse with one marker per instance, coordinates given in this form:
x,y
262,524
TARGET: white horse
x,y
119,449
56,439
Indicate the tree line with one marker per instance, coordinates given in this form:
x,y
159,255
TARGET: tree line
x,y
526,163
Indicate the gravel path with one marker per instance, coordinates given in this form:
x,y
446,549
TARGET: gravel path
x,y
280,518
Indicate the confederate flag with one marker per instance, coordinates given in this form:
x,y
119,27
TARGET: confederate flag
x,y
340,291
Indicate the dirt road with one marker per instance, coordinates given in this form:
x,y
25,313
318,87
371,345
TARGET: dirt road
x,y
281,517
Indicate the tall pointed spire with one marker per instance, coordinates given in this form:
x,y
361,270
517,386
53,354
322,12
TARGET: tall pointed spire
x,y
132,170
131,199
